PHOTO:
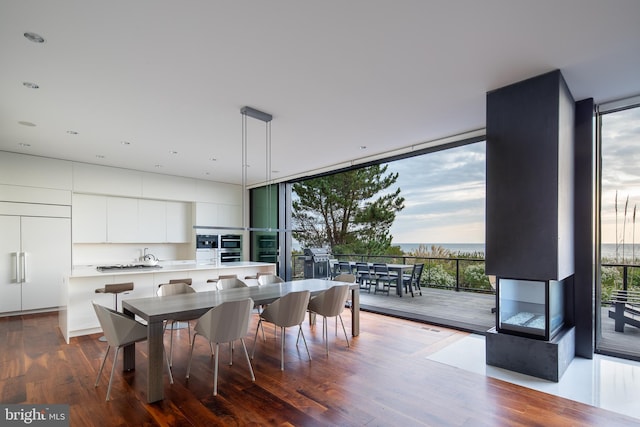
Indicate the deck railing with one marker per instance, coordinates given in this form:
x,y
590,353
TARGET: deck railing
x,y
454,273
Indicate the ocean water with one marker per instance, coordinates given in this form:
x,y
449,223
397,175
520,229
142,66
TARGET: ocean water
x,y
607,250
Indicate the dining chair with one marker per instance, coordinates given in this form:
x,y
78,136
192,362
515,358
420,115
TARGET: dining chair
x,y
364,276
120,330
188,281
412,281
330,303
226,322
381,273
230,283
266,279
167,289
284,312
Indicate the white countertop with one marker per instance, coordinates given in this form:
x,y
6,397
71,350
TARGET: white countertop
x,y
90,271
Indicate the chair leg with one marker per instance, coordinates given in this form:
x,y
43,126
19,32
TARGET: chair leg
x,y
343,329
325,334
171,344
166,359
283,334
104,359
215,372
193,343
303,340
253,377
255,338
113,368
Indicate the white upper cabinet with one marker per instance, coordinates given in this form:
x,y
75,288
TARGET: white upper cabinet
x,y
178,222
122,220
152,221
89,218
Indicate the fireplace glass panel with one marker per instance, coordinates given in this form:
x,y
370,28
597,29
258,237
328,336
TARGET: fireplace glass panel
x,y
522,306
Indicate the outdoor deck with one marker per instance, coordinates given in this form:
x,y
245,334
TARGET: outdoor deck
x,y
469,311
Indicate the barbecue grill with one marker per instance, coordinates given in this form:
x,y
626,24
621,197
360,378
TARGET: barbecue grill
x,y
316,263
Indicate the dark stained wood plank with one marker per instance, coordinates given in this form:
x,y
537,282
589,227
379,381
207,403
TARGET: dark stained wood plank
x,y
383,379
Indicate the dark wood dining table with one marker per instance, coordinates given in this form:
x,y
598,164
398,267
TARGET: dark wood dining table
x,y
155,310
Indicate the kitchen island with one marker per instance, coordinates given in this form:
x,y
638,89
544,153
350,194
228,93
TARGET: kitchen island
x,y
77,317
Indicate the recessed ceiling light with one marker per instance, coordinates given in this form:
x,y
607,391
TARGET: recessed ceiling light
x,y
24,144
363,147
213,159
33,37
158,166
27,124
173,152
72,132
207,173
99,156
125,143
30,85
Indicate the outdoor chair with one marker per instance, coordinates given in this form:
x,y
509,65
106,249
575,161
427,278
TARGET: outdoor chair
x,y
364,276
381,273
412,281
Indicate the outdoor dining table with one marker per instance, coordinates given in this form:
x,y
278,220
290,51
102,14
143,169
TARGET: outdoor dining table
x,y
398,269
155,310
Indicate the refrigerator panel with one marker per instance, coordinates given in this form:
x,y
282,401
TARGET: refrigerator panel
x,y
10,288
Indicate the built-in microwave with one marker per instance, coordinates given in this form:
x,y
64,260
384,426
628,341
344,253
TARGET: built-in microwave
x,y
231,241
230,255
206,241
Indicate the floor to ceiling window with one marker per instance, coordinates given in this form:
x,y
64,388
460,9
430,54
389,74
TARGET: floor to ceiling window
x,y
620,225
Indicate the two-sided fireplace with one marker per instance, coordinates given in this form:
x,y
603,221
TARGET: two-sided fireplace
x,y
530,308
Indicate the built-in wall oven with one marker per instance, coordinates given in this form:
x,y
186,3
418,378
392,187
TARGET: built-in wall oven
x,y
230,248
207,249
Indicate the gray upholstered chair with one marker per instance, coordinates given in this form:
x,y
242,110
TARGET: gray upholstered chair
x,y
226,322
230,283
174,289
330,303
266,279
285,312
120,330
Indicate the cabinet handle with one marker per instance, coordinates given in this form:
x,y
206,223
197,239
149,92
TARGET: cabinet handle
x,y
17,277
25,279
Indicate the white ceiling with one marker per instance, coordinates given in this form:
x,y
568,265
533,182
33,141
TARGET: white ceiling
x,y
336,75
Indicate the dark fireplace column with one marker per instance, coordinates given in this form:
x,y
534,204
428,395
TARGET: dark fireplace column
x,y
529,224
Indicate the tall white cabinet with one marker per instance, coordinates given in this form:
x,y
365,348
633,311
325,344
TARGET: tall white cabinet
x,y
34,257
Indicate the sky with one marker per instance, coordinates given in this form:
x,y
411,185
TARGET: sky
x,y
621,173
444,196
445,191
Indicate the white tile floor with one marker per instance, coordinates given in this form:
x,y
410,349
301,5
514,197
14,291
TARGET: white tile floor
x,y
606,382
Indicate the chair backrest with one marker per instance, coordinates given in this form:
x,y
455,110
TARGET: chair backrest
x,y
174,289
345,277
119,329
362,267
344,267
288,310
226,322
230,283
331,302
266,279
417,272
380,269
187,281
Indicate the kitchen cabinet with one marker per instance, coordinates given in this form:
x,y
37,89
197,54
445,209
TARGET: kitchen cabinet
x,y
89,223
35,255
105,219
152,221
178,228
122,220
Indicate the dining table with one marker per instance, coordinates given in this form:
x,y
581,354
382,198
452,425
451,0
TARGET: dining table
x,y
397,269
156,310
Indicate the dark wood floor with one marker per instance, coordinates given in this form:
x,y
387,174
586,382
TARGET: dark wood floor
x,y
384,379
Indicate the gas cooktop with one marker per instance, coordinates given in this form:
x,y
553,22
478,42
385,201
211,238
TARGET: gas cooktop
x,y
127,267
